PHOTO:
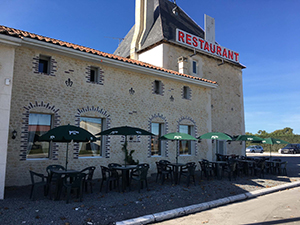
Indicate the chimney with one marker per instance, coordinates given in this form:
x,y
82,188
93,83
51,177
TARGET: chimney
x,y
138,28
209,29
182,65
148,20
144,18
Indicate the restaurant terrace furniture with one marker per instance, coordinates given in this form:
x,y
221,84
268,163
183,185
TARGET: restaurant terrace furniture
x,y
260,168
111,177
268,166
282,168
206,169
230,169
250,166
37,180
140,174
240,167
276,166
89,173
188,171
74,181
60,175
164,171
110,165
176,167
52,178
125,171
217,167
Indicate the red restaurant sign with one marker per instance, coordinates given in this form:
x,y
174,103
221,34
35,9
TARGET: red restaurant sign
x,y
205,46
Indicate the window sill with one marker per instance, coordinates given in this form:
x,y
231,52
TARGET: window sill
x,y
36,159
90,157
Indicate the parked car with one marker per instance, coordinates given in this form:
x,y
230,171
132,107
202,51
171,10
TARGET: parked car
x,y
254,149
290,149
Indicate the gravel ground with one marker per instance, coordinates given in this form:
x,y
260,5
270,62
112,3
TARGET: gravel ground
x,y
108,208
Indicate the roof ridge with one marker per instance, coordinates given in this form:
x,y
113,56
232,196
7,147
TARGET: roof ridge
x,y
21,33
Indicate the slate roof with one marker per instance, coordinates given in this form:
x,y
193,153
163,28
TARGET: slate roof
x,y
164,27
24,34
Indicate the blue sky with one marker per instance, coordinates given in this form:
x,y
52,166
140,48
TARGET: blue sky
x,y
265,32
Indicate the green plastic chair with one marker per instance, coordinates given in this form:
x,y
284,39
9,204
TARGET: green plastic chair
x,y
188,171
140,174
110,176
89,173
74,181
37,180
52,178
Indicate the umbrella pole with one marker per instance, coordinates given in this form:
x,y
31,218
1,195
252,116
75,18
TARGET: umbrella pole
x,y
177,149
125,149
67,156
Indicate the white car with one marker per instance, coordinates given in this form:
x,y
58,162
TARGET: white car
x,y
254,149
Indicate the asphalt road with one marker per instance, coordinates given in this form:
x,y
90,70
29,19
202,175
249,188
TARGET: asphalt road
x,y
278,208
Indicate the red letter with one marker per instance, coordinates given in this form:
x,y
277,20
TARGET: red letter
x,y
180,36
188,39
224,52
206,47
195,43
236,56
201,43
219,50
212,51
230,54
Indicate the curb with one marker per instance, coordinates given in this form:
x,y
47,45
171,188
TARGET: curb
x,y
158,217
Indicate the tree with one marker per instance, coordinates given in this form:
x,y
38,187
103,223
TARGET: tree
x,y
263,133
283,132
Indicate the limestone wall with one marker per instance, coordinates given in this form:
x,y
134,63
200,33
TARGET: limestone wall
x,y
111,99
227,104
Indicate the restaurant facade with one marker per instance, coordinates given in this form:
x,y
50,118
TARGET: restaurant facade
x,y
163,78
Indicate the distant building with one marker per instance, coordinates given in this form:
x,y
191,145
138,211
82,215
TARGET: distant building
x,y
167,75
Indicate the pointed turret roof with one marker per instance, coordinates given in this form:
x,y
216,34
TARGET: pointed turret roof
x,y
164,27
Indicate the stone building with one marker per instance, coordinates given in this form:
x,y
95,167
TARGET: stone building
x,y
47,83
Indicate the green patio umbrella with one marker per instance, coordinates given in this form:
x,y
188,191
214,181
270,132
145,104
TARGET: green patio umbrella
x,y
178,136
125,130
272,141
216,136
245,137
67,133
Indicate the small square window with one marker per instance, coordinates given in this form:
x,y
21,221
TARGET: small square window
x,y
157,87
94,75
44,64
194,67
